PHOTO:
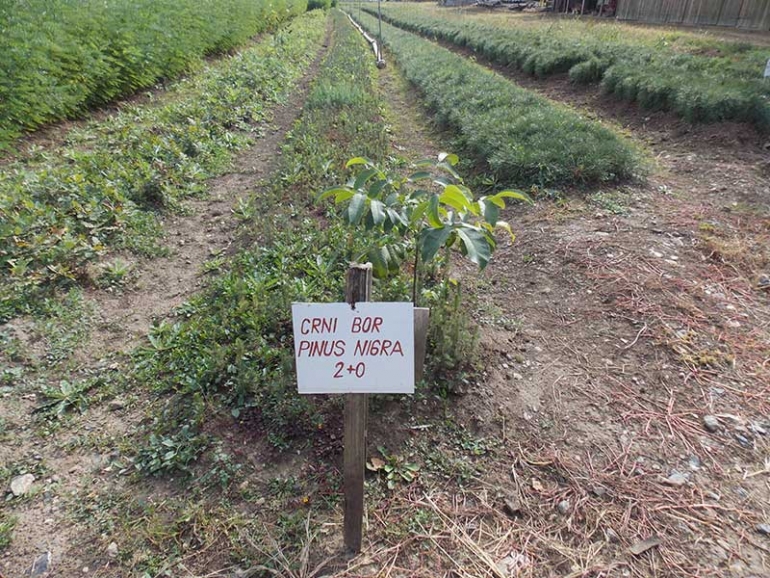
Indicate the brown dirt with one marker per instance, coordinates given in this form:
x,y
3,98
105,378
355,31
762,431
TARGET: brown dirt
x,y
611,326
121,320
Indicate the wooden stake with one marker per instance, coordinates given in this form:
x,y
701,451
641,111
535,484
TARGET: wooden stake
x,y
359,288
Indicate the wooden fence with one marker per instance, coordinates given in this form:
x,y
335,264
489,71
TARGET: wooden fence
x,y
751,14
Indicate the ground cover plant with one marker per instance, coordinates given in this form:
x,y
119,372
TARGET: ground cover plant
x,y
62,57
523,138
231,351
108,186
700,80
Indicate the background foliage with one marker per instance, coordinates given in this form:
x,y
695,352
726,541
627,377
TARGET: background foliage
x,y
60,57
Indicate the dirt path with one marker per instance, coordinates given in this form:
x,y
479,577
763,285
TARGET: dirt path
x,y
83,456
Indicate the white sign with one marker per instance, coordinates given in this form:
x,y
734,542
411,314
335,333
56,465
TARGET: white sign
x,y
369,349
767,68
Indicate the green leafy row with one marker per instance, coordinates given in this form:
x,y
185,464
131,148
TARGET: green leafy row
x,y
232,347
107,186
523,138
697,87
60,57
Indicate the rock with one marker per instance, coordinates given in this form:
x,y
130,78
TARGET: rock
x,y
112,550
676,479
763,529
21,485
518,376
41,565
744,441
116,405
758,429
512,506
599,491
694,462
763,282
563,507
611,535
711,423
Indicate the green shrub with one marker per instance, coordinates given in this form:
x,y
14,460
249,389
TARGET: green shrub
x,y
319,4
62,56
521,137
57,214
687,79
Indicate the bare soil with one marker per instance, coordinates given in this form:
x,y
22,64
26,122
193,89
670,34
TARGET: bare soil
x,y
618,319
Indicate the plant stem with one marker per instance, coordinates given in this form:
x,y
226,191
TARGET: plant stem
x,y
414,278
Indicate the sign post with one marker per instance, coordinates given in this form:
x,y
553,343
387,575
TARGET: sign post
x,y
359,289
355,348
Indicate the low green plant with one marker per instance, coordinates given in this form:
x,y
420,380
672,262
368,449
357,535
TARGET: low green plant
x,y
61,57
67,396
7,524
698,78
114,273
394,468
512,132
170,452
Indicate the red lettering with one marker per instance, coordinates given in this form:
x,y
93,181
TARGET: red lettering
x,y
366,325
303,346
397,349
303,329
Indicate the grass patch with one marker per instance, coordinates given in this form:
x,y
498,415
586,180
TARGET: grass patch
x,y
522,138
61,57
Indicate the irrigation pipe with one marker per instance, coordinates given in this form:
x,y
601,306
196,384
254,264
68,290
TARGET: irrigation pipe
x,y
375,47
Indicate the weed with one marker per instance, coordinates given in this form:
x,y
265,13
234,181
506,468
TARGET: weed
x,y
68,396
7,524
114,273
166,453
613,203
394,468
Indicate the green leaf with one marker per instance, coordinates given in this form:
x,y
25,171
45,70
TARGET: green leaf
x,y
378,211
356,208
434,218
364,177
336,192
358,161
454,197
379,257
450,158
490,210
419,176
510,195
431,240
476,246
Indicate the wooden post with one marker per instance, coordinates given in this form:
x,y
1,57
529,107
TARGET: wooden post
x,y
359,288
583,7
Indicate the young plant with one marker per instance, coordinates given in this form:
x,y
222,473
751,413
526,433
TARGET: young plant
x,y
395,468
420,214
